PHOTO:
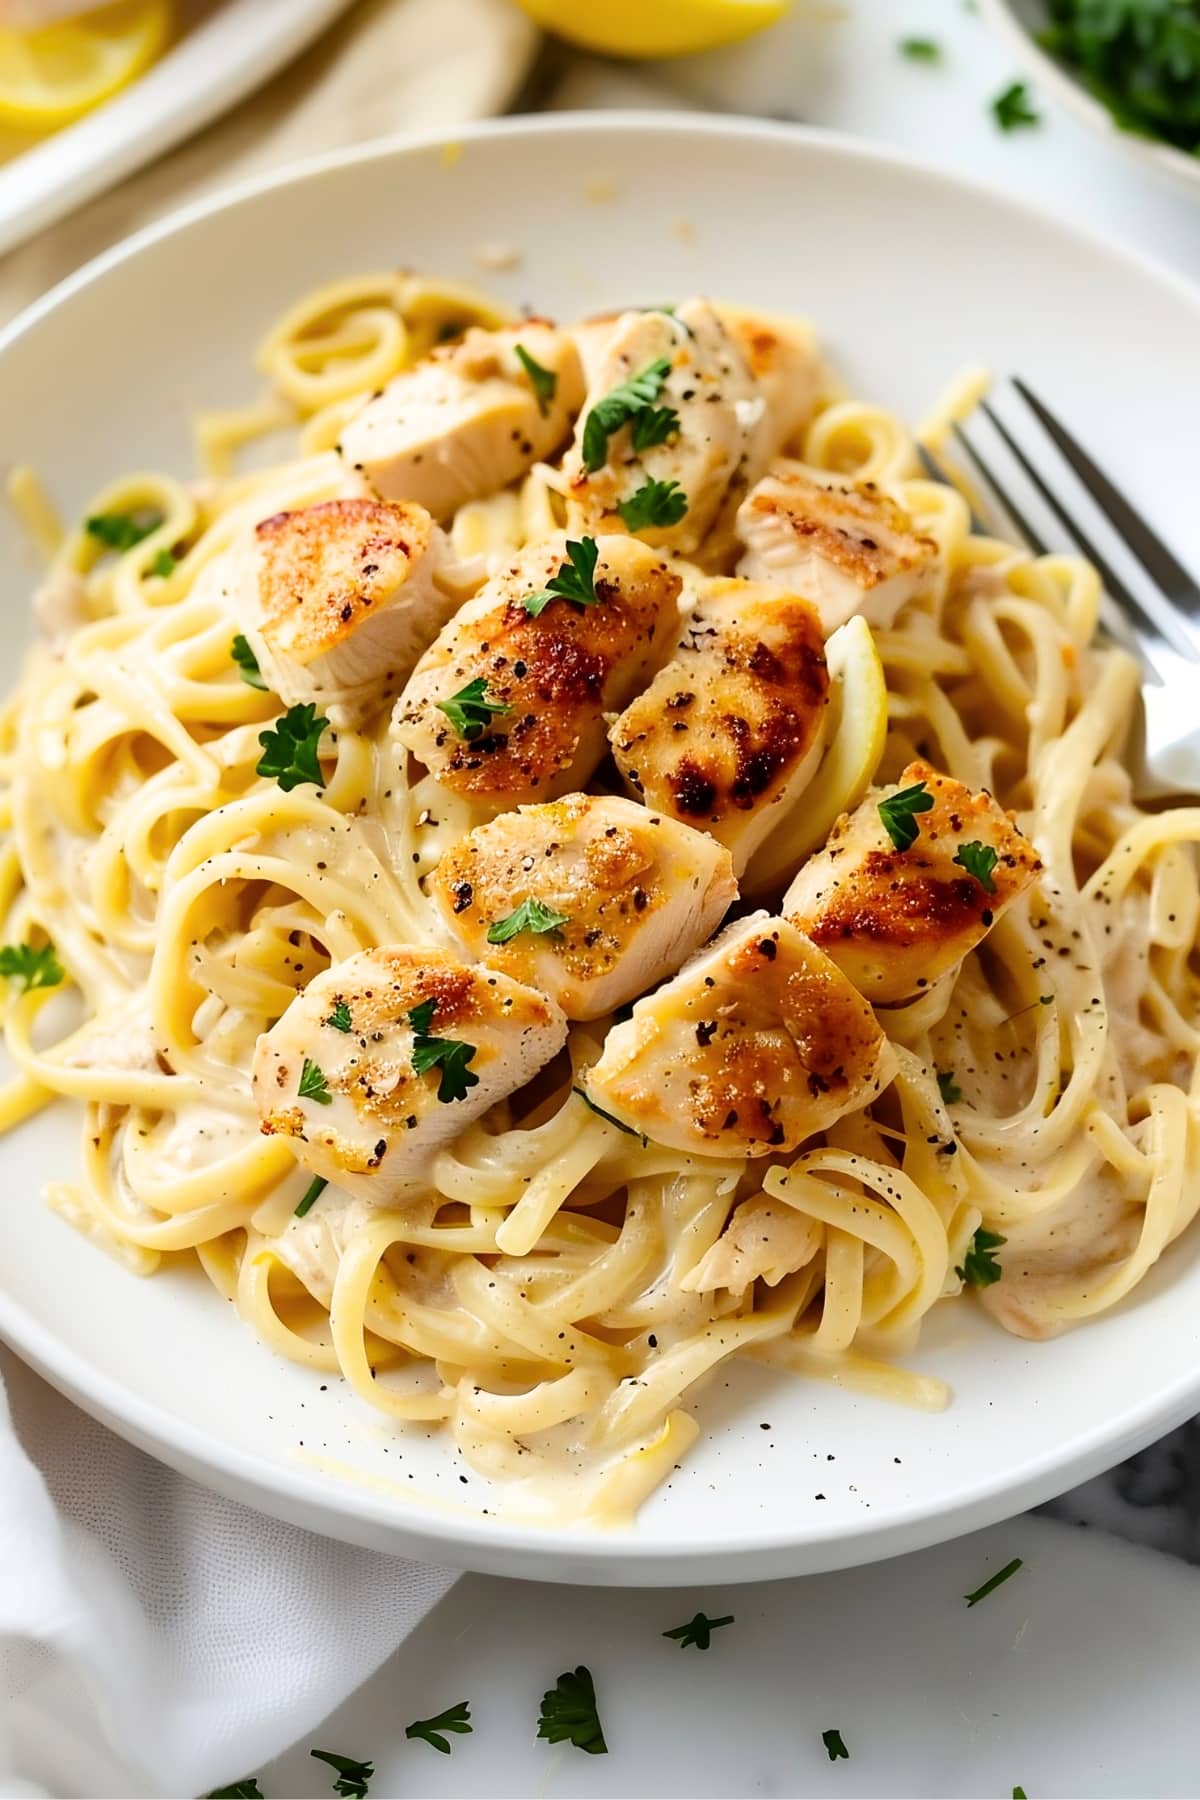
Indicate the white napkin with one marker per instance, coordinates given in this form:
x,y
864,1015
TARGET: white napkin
x,y
156,1639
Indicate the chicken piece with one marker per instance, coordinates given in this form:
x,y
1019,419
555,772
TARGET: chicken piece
x,y
541,681
896,920
694,369
764,1239
783,359
729,734
633,894
339,599
757,1044
845,545
352,1072
468,419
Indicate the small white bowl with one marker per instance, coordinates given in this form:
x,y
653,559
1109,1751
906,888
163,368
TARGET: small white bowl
x,y
1018,21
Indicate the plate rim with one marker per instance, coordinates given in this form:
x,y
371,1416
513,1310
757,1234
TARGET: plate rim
x,y
541,1551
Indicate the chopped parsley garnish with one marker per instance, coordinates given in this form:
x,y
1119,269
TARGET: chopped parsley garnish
x,y
979,860
993,1582
313,1085
569,1713
121,531
948,1088
247,663
654,426
163,563
312,1193
352,1776
979,1267
455,1718
657,503
340,1018
290,748
531,915
1013,108
897,813
618,407
921,49
470,711
1019,1793
834,1747
698,1631
32,968
608,1118
448,1054
575,581
1141,58
543,381
241,1790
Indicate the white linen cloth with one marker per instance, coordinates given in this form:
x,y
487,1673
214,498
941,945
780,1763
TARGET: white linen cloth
x,y
156,1639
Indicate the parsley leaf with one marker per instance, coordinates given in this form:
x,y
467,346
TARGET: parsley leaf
x,y
980,1268
352,1776
470,711
993,1582
654,426
312,1193
312,1084
834,1746
948,1088
241,1790
340,1018
1019,1793
531,915
569,1713
979,860
163,563
919,49
1141,58
897,814
247,662
32,968
455,1718
657,503
121,531
448,1054
1014,108
543,381
697,1631
618,407
575,581
290,748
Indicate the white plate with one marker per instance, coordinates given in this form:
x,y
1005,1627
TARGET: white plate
x,y
1018,21
230,50
910,274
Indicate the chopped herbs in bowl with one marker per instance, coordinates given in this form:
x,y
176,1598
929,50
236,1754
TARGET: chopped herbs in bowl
x,y
1140,57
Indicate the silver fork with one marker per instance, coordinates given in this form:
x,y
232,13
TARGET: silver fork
x,y
1157,620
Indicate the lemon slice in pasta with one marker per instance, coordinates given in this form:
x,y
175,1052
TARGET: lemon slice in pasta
x,y
641,28
56,74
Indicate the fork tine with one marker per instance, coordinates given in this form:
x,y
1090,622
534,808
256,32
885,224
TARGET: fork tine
x,y
1155,556
1019,518
1177,638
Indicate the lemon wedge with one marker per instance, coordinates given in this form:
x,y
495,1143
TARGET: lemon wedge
x,y
56,74
638,28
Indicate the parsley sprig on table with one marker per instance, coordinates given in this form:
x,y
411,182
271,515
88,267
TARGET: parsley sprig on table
x,y
698,1631
993,1582
921,49
352,1776
834,1747
569,1713
449,1055
575,581
620,406
241,1790
290,748
32,968
1140,57
1012,108
455,1718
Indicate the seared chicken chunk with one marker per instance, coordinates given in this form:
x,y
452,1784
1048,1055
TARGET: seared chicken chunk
x,y
845,545
757,1044
783,360
386,1057
696,414
470,418
728,735
895,920
339,599
765,1239
610,898
541,680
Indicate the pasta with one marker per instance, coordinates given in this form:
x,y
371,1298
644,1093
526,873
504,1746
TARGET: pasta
x,y
555,1283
